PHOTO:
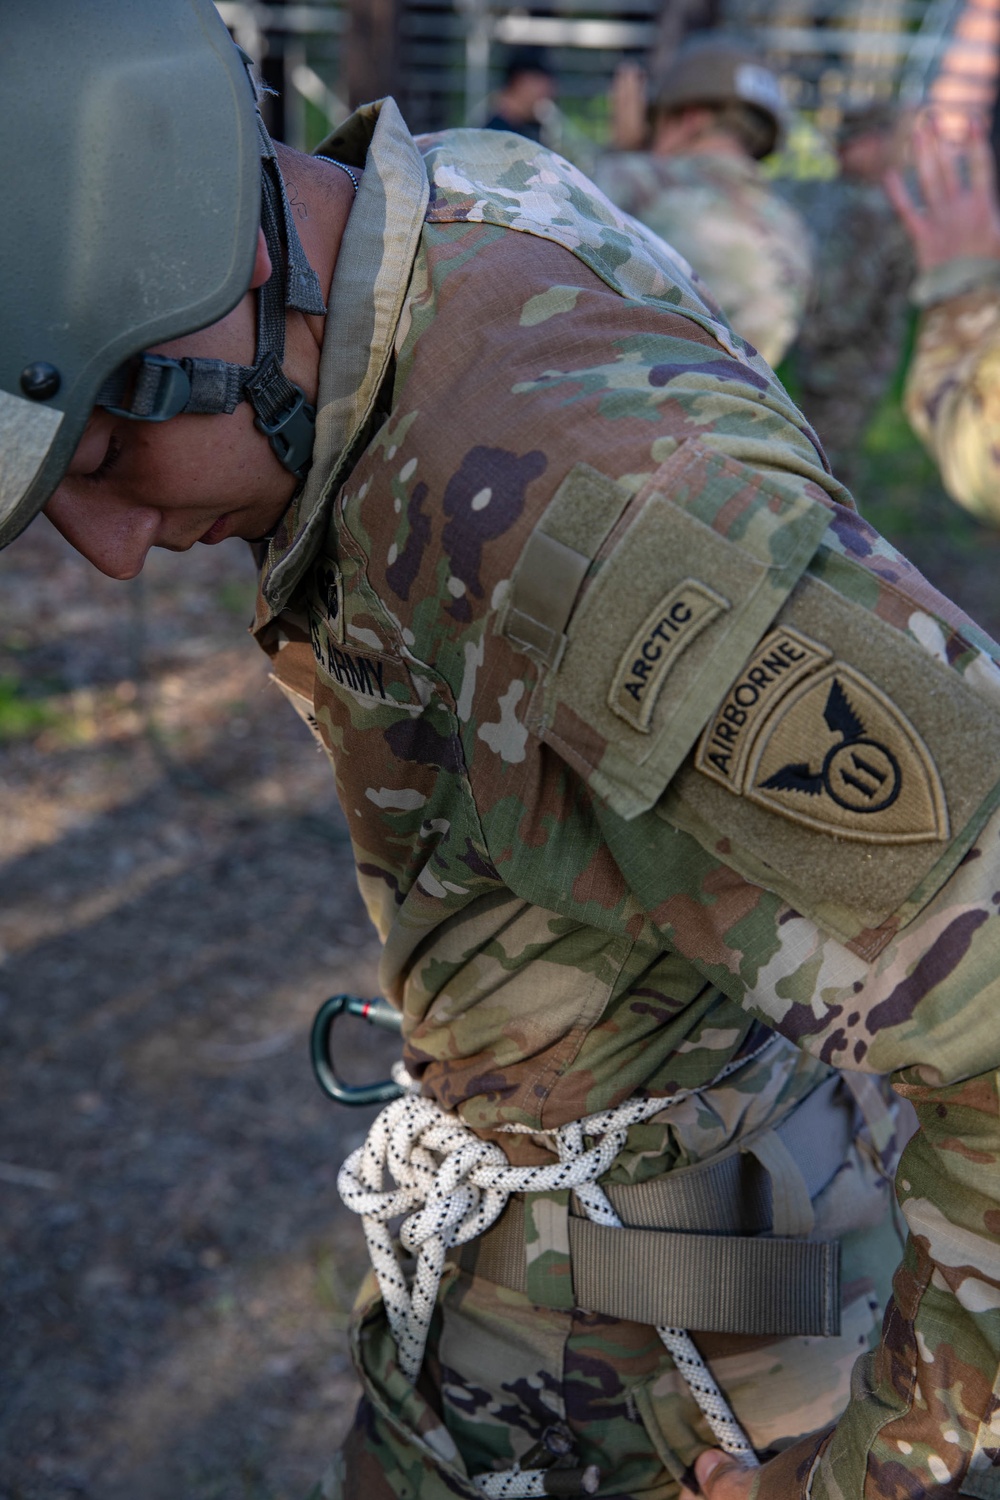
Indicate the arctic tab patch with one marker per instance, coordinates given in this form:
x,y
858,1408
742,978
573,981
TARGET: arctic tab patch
x,y
661,638
781,660
838,756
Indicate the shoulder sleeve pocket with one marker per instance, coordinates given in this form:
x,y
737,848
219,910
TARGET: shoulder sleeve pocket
x,y
689,574
854,784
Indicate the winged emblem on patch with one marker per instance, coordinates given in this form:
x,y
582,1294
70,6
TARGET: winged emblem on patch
x,y
836,754
859,773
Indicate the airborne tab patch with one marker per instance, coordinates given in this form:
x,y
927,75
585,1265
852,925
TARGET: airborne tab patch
x,y
661,638
781,660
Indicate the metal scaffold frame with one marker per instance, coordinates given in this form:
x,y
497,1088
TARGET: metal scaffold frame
x,y
446,53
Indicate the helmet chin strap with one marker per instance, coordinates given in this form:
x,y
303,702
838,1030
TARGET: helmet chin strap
x,y
153,388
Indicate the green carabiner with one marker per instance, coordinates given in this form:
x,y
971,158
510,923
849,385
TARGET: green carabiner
x,y
377,1012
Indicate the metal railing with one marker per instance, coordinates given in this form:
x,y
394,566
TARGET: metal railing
x,y
450,51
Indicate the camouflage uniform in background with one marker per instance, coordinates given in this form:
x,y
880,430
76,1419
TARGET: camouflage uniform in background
x,y
852,335
655,758
746,243
953,385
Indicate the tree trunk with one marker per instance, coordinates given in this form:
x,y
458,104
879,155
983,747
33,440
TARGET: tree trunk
x,y
371,50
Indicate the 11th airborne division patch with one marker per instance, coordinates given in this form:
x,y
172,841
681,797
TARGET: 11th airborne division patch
x,y
814,740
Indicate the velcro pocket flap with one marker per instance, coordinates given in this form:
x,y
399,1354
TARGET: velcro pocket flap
x,y
854,786
689,578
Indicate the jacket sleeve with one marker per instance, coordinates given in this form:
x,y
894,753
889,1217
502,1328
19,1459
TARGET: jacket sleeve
x,y
925,1413
918,999
926,1410
791,744
953,392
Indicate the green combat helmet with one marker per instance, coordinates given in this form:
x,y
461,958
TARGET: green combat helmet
x,y
138,171
877,117
716,71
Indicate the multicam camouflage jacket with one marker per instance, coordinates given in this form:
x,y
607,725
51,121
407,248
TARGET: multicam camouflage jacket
x,y
649,748
953,386
747,244
852,334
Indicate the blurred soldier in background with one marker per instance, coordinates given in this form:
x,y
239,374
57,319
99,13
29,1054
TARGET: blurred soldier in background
x,y
529,90
866,142
851,339
953,388
713,113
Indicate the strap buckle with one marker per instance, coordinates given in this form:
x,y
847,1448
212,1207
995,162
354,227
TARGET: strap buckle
x,y
292,434
162,389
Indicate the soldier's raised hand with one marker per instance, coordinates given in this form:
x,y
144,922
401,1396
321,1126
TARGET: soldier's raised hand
x,y
628,108
958,214
721,1477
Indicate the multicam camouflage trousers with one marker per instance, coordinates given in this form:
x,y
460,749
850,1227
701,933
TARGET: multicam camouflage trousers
x,y
505,1380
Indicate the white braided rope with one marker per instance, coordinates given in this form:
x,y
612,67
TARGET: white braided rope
x,y
511,1484
524,1484
400,1076
451,1186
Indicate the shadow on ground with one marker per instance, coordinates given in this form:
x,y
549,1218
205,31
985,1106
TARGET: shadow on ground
x,y
178,899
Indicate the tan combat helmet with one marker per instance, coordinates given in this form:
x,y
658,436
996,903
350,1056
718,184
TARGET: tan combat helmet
x,y
715,70
137,174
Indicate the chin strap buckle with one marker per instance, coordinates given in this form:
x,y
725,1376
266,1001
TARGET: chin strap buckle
x,y
160,389
291,434
283,413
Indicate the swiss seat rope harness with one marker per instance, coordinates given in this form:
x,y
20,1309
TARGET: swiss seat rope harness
x,y
450,1187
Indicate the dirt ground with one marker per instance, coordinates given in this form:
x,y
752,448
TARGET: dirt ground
x,y
178,898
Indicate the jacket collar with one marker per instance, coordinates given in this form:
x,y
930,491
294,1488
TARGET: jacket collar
x,y
366,298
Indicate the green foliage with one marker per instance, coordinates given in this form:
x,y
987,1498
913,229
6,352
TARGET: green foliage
x,y
23,714
237,597
901,482
805,154
317,126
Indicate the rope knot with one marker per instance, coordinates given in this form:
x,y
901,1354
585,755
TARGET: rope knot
x,y
450,1186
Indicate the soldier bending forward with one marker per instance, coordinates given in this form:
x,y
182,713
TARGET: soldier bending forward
x,y
672,787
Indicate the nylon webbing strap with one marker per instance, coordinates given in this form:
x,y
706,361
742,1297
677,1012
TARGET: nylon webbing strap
x,y
791,1209
693,1235
300,284
498,1255
269,390
731,1196
734,1194
710,1283
216,386
271,296
555,561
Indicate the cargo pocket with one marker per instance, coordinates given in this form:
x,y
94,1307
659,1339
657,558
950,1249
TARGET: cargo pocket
x,y
406,1435
642,609
779,1390
855,788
